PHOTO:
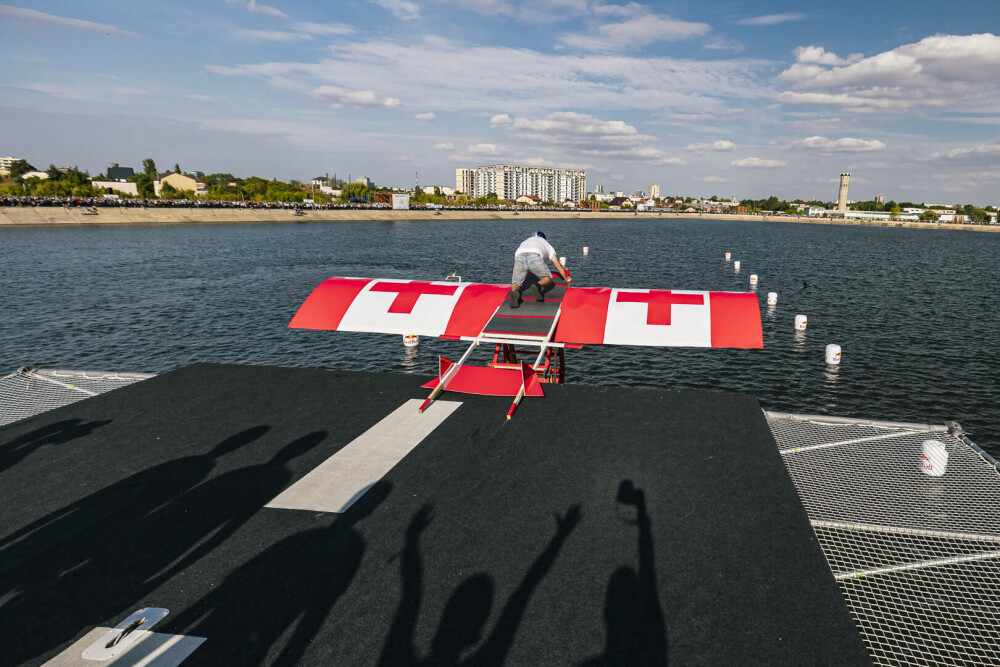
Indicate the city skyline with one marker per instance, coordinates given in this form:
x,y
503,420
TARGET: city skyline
x,y
748,99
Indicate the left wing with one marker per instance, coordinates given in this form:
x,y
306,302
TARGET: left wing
x,y
440,308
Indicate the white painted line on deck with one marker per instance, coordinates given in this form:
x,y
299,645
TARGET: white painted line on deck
x,y
338,482
153,649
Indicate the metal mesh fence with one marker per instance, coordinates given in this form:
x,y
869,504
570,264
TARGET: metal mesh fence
x,y
917,557
28,391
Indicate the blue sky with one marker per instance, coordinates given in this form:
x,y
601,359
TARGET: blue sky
x,y
728,98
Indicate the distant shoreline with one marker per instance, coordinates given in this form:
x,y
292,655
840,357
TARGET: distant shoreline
x,y
20,216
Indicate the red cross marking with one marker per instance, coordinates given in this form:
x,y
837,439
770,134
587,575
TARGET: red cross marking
x,y
660,302
408,293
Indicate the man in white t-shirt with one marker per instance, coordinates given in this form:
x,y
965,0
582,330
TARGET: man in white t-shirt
x,y
530,258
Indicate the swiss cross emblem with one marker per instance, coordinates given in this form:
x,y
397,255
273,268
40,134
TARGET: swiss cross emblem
x,y
408,293
660,303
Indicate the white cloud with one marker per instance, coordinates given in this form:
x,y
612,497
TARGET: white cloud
x,y
500,120
723,44
640,29
271,35
266,10
652,28
84,92
842,145
402,9
361,99
428,116
711,179
482,149
571,133
433,73
983,150
76,24
773,19
941,71
721,145
444,146
757,163
819,55
322,28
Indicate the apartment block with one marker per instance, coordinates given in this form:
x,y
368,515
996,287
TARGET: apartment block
x,y
513,181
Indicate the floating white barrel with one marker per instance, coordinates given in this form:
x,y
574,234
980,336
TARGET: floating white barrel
x,y
800,322
409,340
753,278
736,265
586,249
562,260
772,298
833,354
933,457
729,256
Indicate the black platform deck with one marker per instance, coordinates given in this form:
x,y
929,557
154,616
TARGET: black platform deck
x,y
600,526
531,318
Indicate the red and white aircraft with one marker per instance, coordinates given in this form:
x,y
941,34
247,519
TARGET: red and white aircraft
x,y
570,317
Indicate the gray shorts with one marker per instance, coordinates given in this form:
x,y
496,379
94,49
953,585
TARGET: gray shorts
x,y
529,261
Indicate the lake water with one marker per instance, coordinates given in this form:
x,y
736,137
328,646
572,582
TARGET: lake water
x,y
915,311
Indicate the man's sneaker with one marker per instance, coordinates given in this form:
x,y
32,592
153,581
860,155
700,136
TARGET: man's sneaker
x,y
515,298
537,289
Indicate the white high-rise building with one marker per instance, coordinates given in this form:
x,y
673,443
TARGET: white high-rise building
x,y
6,163
654,191
512,181
465,181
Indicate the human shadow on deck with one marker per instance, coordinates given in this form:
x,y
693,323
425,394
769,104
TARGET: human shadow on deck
x,y
636,631
294,583
95,559
59,433
468,609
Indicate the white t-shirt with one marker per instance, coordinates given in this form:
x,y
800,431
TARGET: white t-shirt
x,y
537,245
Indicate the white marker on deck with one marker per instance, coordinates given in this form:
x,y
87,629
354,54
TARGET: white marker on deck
x,y
342,479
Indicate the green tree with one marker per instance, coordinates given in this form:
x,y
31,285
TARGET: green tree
x,y
18,168
149,167
168,191
355,190
929,215
144,185
177,168
894,212
437,191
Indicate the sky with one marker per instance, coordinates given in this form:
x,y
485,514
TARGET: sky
x,y
739,98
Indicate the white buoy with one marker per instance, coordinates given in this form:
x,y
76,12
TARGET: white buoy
x,y
753,279
409,340
586,249
933,457
736,265
728,256
772,298
833,354
800,322
562,260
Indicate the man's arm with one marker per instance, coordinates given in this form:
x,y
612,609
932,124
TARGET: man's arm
x,y
561,269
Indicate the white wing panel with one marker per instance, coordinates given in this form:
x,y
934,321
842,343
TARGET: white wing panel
x,y
659,317
422,308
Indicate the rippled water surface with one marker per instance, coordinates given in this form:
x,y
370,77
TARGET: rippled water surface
x,y
915,311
